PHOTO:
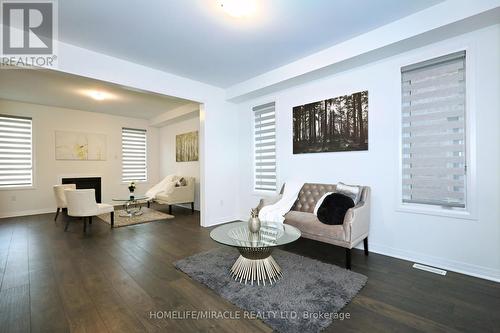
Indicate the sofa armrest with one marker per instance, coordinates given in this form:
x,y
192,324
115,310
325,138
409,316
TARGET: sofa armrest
x,y
268,201
357,222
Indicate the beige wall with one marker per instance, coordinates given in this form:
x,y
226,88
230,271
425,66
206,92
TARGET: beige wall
x,y
48,171
168,165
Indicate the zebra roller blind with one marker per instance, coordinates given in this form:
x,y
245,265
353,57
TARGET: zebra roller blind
x,y
16,157
433,106
265,147
134,155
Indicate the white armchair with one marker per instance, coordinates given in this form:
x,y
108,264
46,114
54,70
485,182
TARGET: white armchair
x,y
178,195
81,203
61,197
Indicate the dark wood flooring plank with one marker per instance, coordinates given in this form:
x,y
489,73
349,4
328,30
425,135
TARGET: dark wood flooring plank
x,y
47,310
132,294
110,305
16,268
80,311
15,309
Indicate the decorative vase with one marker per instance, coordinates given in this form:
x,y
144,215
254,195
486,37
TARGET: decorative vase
x,y
254,222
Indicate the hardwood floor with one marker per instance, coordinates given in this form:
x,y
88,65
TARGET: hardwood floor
x,y
110,280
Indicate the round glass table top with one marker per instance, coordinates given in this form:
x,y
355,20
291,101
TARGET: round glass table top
x,y
270,234
136,198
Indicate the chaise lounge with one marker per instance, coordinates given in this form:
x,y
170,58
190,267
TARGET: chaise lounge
x,y
177,195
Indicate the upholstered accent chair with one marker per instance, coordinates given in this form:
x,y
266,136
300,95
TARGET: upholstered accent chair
x,y
81,203
353,231
178,195
61,197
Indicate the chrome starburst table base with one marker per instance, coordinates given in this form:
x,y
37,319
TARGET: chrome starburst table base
x,y
256,265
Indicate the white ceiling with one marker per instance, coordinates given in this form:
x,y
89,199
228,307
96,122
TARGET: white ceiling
x,y
196,39
69,91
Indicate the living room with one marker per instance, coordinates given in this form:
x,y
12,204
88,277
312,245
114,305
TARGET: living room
x,y
346,176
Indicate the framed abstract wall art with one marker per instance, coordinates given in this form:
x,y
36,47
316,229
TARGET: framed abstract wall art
x,y
186,147
80,146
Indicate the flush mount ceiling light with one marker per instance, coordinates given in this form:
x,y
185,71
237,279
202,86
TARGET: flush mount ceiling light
x,y
239,8
98,95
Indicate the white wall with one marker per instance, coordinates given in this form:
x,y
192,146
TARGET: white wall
x,y
48,171
463,245
168,164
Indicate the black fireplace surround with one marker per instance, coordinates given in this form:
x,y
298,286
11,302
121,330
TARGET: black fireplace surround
x,y
85,183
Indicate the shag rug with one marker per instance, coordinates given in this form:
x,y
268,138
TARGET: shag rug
x,y
307,298
148,215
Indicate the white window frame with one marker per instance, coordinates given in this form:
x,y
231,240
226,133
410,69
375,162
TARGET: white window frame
x,y
257,192
33,154
470,210
146,156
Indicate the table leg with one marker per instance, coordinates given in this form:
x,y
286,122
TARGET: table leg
x,y
256,264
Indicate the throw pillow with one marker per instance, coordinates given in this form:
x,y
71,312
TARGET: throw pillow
x,y
181,182
320,201
333,209
352,191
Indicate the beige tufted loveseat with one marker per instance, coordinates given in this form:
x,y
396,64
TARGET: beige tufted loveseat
x,y
354,229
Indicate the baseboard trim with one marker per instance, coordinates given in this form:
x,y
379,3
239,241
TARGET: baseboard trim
x,y
221,220
28,212
481,272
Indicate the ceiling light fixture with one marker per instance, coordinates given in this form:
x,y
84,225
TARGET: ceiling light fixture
x,y
97,94
239,8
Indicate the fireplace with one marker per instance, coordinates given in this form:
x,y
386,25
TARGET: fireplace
x,y
84,183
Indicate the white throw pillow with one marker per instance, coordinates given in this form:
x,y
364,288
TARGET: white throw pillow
x,y
320,201
352,191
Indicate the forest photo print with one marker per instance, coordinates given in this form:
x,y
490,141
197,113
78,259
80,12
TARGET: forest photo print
x,y
335,124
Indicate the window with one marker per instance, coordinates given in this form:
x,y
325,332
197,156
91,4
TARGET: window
x,y
265,147
433,132
134,155
16,158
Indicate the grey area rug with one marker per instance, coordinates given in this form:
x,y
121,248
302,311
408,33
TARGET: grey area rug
x,y
308,289
148,215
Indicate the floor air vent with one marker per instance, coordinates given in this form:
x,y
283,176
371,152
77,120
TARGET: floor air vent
x,y
430,269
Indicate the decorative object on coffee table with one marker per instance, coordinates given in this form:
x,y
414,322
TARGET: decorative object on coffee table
x,y
131,189
255,262
254,221
131,205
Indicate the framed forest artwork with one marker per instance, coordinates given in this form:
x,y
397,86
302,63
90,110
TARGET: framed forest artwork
x,y
335,124
186,147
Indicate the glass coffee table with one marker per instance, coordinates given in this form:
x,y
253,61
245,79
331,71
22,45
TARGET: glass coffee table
x,y
255,263
131,205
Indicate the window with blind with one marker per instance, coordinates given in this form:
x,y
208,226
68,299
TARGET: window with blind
x,y
433,125
134,155
265,147
16,156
